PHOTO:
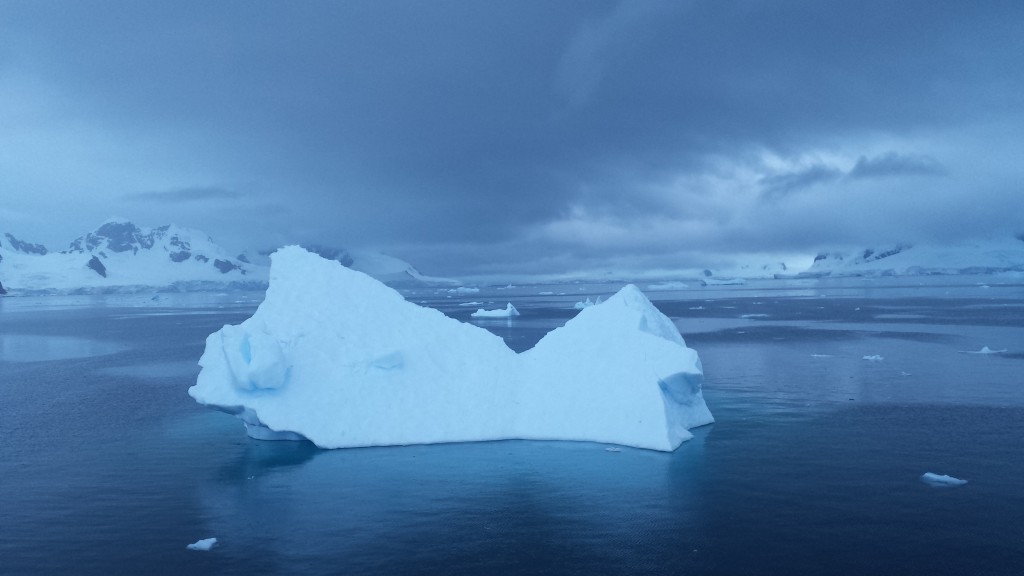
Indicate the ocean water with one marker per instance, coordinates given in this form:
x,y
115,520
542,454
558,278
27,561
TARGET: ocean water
x,y
813,465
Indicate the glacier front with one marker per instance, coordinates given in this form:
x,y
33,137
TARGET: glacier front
x,y
336,357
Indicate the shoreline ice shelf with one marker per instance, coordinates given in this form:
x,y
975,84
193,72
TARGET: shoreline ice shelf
x,y
336,357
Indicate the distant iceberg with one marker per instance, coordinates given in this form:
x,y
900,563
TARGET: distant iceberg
x,y
336,357
507,312
941,480
586,303
671,285
203,545
723,282
984,350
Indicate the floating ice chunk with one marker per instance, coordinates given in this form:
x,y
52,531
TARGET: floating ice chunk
x,y
587,303
463,290
471,304
673,285
546,293
984,350
874,358
821,355
723,282
941,480
508,312
202,545
369,368
753,315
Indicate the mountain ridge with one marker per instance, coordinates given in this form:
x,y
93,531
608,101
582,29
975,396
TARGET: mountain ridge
x,y
987,256
119,256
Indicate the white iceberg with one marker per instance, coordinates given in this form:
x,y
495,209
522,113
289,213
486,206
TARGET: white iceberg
x,y
723,282
671,285
587,303
507,312
874,358
203,545
941,480
333,356
984,350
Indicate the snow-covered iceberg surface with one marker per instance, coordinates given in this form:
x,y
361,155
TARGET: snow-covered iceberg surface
x,y
335,356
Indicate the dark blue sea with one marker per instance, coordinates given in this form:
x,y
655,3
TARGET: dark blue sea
x,y
812,467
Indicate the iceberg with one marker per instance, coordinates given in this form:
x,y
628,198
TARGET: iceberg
x,y
336,357
984,350
671,285
203,545
507,312
941,480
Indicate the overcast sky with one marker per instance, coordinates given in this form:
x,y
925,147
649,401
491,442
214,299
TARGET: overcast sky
x,y
474,137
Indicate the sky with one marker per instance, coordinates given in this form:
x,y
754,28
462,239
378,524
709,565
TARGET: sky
x,y
481,137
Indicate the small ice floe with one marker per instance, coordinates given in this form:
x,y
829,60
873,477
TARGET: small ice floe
x,y
905,374
545,293
696,307
874,358
612,449
508,312
984,350
471,304
941,480
753,315
821,355
463,290
203,545
672,285
587,303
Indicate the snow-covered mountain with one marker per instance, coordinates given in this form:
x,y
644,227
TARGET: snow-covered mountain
x,y
388,269
977,257
394,271
122,257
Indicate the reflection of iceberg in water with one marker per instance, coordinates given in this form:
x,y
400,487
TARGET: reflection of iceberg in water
x,y
380,510
336,357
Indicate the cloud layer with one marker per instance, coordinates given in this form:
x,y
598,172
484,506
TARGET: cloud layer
x,y
481,136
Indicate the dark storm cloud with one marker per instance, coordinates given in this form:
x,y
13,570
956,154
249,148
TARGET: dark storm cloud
x,y
591,129
778,185
893,164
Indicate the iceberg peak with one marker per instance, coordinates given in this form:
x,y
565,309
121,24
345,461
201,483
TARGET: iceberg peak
x,y
336,357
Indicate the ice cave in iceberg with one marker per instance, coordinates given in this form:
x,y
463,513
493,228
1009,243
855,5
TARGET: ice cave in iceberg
x,y
336,357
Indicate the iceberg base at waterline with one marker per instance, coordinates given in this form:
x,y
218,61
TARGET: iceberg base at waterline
x,y
336,357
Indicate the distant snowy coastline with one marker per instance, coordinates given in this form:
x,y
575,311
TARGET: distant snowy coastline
x,y
120,257
1001,255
